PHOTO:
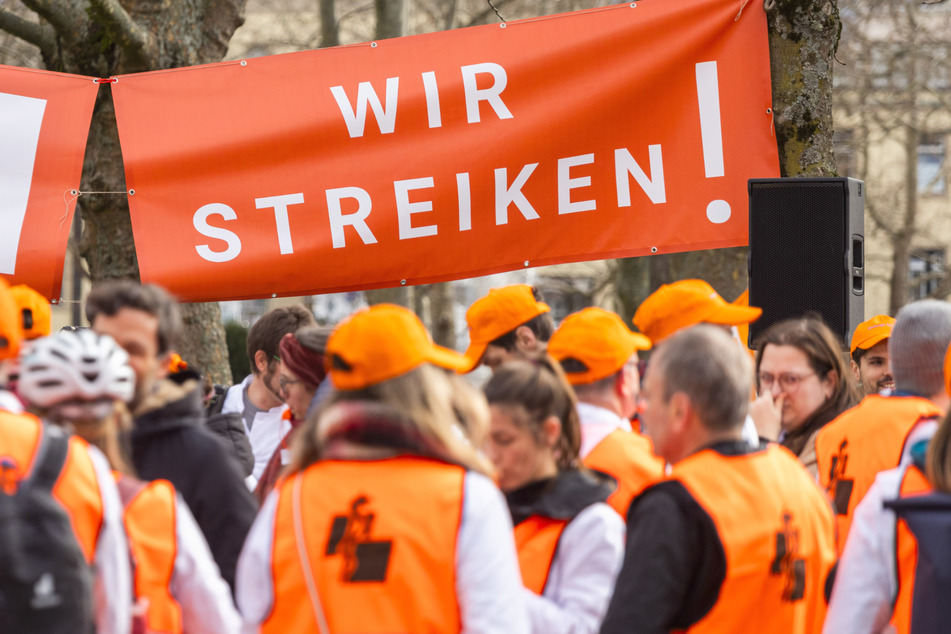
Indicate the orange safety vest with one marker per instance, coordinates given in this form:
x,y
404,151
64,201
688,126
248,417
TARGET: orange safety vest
x,y
913,482
77,488
628,457
536,540
861,442
777,532
379,538
150,524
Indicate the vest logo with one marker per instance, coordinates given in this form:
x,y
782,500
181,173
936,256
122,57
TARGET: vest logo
x,y
350,537
44,593
840,489
787,564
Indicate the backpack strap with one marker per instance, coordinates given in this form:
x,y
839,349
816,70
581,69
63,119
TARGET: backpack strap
x,y
51,456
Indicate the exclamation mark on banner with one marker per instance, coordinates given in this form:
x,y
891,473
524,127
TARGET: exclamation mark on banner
x,y
711,135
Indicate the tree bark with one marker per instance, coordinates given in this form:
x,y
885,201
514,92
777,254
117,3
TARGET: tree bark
x,y
102,38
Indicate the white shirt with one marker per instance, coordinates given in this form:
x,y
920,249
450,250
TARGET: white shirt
x,y
488,582
112,585
267,428
581,579
197,585
596,423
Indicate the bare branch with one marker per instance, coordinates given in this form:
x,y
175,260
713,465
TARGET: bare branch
x,y
36,34
137,44
59,13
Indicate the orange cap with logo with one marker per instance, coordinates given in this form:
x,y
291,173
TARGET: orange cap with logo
x,y
501,311
35,311
379,343
872,331
11,324
675,306
599,340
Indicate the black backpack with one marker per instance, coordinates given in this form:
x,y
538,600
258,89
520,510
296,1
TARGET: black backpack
x,y
929,519
45,582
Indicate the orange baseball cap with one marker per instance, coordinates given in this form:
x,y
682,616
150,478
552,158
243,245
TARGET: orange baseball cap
x,y
501,311
686,303
11,324
379,343
35,311
870,332
597,338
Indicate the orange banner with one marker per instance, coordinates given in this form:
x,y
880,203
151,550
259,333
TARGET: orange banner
x,y
620,131
44,122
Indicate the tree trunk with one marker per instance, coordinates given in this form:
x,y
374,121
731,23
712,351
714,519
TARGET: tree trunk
x,y
389,19
902,241
803,36
102,38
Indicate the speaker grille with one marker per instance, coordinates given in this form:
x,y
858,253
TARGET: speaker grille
x,y
799,237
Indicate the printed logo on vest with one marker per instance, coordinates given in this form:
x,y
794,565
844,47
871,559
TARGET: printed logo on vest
x,y
350,537
787,564
44,593
840,489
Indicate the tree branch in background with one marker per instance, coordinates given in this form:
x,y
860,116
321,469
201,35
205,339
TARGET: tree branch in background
x,y
137,44
59,13
329,33
36,34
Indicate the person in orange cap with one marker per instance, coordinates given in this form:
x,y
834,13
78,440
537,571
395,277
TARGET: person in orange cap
x,y
82,581
869,352
509,323
35,311
684,303
599,356
385,520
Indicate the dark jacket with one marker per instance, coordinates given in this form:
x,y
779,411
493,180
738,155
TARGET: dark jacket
x,y
169,442
230,428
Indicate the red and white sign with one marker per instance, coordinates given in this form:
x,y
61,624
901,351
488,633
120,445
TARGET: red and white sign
x,y
620,131
44,122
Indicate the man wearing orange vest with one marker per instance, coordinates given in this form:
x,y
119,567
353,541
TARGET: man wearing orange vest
x,y
876,580
509,323
599,356
84,488
870,437
736,538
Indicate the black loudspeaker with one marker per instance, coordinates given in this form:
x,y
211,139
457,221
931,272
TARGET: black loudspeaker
x,y
807,251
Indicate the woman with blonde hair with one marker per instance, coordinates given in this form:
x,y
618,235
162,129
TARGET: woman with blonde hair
x,y
385,520
570,542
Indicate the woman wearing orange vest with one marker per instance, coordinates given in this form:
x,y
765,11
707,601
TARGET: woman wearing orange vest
x,y
570,542
80,380
84,488
875,582
384,521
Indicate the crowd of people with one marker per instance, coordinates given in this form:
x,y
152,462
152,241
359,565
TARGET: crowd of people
x,y
357,481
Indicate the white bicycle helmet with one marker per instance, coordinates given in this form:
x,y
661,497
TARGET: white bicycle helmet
x,y
75,366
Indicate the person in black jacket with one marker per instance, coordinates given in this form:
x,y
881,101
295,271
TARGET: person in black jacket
x,y
168,440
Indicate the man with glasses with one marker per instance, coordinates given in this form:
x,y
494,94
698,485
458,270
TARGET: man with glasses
x,y
872,436
258,398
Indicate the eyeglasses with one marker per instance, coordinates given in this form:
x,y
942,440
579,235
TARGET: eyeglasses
x,y
788,381
284,382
